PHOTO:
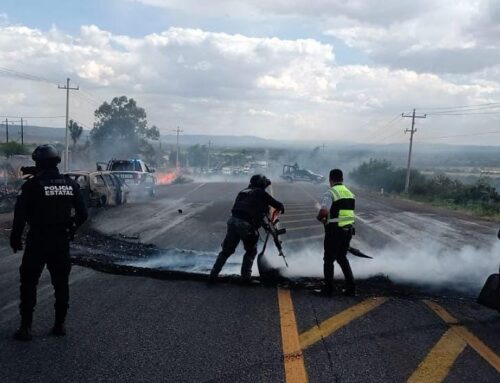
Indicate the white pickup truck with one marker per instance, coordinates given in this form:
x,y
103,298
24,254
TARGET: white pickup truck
x,y
135,173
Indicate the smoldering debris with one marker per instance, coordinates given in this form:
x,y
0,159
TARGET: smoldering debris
x,y
185,260
428,265
428,268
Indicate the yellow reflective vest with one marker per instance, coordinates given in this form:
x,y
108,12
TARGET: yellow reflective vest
x,y
342,209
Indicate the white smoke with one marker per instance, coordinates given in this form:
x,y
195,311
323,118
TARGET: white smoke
x,y
425,264
189,261
430,265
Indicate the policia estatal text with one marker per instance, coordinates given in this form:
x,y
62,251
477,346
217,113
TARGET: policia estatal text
x,y
337,214
247,214
45,203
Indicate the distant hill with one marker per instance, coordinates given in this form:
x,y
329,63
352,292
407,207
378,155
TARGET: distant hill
x,y
36,134
41,134
216,140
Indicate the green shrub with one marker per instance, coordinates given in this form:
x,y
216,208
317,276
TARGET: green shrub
x,y
480,197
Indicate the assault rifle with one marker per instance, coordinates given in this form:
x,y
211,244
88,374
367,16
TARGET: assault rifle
x,y
271,230
29,170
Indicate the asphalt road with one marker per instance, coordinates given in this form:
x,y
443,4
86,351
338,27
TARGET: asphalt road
x,y
410,242
129,329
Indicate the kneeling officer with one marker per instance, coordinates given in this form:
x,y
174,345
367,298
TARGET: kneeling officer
x,y
249,210
45,202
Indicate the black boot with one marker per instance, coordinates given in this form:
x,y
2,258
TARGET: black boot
x,y
325,291
59,329
23,333
212,279
349,291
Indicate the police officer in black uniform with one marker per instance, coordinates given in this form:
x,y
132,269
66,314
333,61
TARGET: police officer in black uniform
x,y
248,212
45,203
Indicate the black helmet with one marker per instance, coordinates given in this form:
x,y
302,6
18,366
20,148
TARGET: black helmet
x,y
259,181
44,153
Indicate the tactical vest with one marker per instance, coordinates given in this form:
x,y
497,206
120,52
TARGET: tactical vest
x,y
249,207
342,210
55,201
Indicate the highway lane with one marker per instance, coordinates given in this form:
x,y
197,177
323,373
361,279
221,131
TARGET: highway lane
x,y
410,242
140,329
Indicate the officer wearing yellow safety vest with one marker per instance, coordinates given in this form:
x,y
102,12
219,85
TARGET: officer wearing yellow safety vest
x,y
337,214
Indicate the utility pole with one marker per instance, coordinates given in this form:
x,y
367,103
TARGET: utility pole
x,y
7,130
66,151
22,131
208,155
412,131
323,147
177,164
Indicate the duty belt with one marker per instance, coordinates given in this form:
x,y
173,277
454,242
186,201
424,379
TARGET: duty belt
x,y
340,219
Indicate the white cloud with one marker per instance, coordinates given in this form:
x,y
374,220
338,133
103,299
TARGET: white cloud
x,y
440,36
223,83
374,11
10,99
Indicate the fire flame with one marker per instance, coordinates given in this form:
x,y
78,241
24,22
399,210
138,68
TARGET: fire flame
x,y
165,178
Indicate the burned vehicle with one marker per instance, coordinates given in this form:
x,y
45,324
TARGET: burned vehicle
x,y
292,173
101,188
135,173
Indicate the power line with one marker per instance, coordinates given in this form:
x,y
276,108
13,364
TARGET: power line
x,y
32,77
379,126
459,106
84,96
391,134
461,114
24,76
82,124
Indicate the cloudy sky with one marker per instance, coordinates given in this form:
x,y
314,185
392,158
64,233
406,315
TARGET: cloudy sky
x,y
335,70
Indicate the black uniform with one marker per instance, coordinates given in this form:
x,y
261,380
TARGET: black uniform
x,y
336,245
45,202
249,210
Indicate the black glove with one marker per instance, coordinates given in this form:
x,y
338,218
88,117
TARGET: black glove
x,y
16,244
498,235
282,209
72,231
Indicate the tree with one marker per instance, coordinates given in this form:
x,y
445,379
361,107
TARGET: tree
x,y
122,130
12,148
198,155
75,131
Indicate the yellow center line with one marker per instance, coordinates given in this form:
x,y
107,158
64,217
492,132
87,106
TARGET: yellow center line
x,y
329,326
437,364
295,369
473,341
